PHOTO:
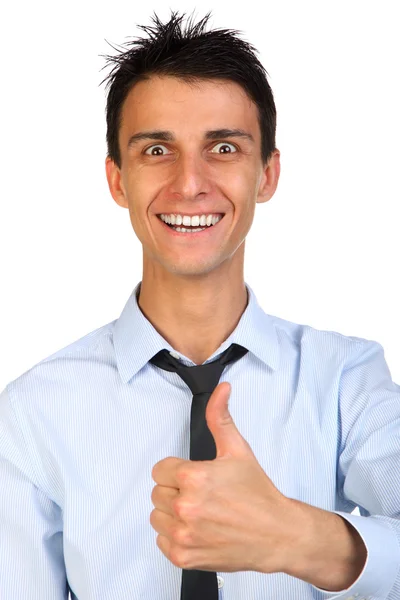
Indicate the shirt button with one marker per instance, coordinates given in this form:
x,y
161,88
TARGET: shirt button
x,y
220,582
174,354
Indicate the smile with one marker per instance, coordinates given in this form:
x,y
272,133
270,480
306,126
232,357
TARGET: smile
x,y
189,230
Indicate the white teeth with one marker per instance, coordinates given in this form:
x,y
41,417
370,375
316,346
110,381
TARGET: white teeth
x,y
195,221
184,230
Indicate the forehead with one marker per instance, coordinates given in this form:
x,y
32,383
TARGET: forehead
x,y
169,102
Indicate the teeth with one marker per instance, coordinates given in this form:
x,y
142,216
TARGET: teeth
x,y
184,230
195,221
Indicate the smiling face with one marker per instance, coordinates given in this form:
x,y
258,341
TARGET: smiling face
x,y
176,159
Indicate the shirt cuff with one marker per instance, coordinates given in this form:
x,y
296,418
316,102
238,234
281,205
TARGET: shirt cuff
x,y
383,560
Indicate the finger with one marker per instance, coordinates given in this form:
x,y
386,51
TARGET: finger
x,y
162,497
162,523
164,472
165,546
228,439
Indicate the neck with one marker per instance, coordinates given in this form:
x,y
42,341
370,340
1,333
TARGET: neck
x,y
194,314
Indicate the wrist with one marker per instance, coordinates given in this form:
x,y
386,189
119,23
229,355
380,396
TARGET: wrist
x,y
329,552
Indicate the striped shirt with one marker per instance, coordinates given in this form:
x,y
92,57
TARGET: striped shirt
x,y
81,430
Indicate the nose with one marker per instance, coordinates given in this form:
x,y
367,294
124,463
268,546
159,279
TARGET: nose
x,y
190,177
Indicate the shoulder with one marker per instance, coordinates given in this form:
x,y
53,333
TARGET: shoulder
x,y
66,365
323,345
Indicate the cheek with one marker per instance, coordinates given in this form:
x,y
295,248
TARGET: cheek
x,y
144,184
239,183
139,197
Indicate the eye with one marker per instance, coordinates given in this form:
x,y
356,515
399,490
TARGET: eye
x,y
225,144
158,146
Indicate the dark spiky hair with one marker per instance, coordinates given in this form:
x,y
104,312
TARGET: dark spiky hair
x,y
190,54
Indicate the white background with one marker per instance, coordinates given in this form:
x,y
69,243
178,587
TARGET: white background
x,y
324,251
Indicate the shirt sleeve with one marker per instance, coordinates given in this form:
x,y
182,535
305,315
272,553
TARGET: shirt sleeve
x,y
369,471
31,540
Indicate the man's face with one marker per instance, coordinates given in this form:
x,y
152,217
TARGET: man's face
x,y
190,174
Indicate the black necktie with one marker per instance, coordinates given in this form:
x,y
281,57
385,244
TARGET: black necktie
x,y
202,380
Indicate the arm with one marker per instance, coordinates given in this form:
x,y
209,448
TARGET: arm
x,y
349,554
334,555
31,542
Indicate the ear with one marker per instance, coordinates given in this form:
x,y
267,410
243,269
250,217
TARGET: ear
x,y
115,183
270,178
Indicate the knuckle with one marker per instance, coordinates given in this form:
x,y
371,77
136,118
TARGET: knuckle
x,y
180,558
181,537
193,474
183,473
181,507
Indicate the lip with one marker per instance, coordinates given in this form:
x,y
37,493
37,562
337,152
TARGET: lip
x,y
185,235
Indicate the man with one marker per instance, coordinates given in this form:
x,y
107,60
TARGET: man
x,y
99,493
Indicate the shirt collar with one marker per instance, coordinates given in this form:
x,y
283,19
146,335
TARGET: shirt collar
x,y
136,341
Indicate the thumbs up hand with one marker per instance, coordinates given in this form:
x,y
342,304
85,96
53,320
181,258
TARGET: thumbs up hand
x,y
223,514
228,440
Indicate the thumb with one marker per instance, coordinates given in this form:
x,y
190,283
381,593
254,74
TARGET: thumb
x,y
228,439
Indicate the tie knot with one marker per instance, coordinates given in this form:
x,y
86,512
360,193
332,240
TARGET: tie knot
x,y
200,378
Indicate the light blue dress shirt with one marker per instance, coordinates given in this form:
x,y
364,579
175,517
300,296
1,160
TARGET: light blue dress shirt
x,y
81,430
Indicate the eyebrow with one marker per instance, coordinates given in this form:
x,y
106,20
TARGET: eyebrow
x,y
168,136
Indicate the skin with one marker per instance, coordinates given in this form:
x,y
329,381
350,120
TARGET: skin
x,y
193,293
205,520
